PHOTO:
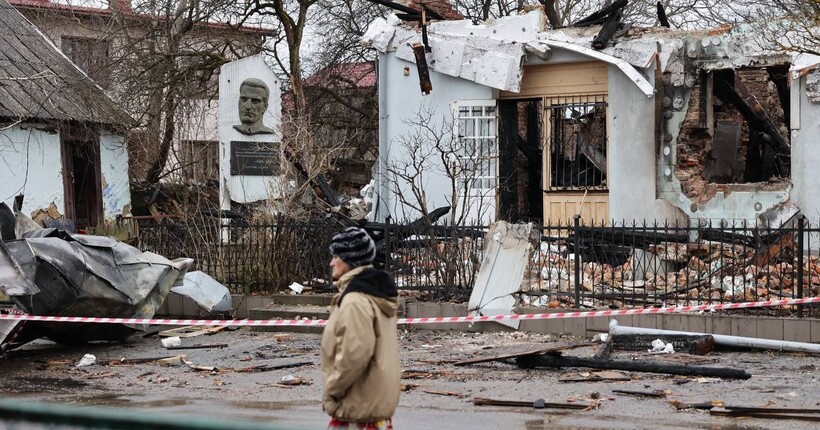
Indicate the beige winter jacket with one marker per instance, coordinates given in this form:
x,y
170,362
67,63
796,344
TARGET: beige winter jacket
x,y
360,355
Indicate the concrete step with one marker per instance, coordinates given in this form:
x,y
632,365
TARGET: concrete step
x,y
289,313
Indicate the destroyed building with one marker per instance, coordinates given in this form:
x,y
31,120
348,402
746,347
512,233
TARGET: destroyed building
x,y
650,124
62,138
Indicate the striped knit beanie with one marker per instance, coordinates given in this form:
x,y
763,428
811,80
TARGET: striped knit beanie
x,y
354,246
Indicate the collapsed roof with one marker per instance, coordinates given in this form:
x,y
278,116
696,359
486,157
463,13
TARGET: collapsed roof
x,y
493,53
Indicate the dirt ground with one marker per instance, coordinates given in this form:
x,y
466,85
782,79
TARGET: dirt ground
x,y
439,395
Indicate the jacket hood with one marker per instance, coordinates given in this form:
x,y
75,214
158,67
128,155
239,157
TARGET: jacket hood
x,y
377,284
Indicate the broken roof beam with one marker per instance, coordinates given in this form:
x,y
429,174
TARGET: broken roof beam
x,y
408,10
559,361
737,94
610,26
663,20
601,16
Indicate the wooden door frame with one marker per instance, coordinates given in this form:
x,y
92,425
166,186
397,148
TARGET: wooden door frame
x,y
69,135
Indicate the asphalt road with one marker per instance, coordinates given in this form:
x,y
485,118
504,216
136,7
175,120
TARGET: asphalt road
x,y
439,395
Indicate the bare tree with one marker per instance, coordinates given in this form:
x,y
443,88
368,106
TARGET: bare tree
x,y
293,20
431,148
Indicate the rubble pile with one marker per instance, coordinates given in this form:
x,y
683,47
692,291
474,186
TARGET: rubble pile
x,y
672,274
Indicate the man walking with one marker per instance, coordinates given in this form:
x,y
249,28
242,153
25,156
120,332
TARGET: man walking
x,y
360,354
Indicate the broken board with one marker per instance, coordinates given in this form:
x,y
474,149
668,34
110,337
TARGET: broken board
x,y
191,331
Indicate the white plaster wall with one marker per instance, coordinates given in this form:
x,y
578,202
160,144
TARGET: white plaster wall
x,y
400,99
805,152
30,164
244,189
631,156
116,194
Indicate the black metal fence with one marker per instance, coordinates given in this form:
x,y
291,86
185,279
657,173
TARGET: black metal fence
x,y
585,266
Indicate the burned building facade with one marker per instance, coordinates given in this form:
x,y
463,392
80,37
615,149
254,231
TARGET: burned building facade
x,y
656,124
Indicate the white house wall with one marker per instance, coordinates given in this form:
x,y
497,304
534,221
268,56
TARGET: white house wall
x,y
806,153
631,153
116,195
31,165
400,100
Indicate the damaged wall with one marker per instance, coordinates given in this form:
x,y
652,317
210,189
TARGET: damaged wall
x,y
631,157
31,166
116,193
692,172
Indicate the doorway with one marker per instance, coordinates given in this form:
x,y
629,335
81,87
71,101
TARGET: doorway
x,y
81,177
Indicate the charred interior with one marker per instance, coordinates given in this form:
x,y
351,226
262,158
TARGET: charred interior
x,y
576,135
736,131
520,155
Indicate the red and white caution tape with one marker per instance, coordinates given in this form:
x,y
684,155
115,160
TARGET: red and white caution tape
x,y
435,320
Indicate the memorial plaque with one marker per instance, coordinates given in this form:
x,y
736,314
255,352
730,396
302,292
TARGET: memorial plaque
x,y
254,158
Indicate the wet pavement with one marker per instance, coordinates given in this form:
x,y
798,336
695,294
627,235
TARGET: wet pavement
x,y
439,395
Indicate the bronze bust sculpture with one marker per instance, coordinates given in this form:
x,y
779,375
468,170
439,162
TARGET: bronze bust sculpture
x,y
253,102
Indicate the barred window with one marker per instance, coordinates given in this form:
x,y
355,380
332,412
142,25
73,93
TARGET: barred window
x,y
577,140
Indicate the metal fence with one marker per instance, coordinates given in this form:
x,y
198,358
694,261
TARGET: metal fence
x,y
577,265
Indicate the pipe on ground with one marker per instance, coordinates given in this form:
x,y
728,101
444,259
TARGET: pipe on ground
x,y
726,340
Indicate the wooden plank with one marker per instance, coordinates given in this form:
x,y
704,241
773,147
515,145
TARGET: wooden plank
x,y
522,354
191,331
589,77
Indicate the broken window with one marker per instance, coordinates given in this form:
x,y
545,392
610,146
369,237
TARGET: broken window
x,y
200,160
477,147
736,130
90,55
576,137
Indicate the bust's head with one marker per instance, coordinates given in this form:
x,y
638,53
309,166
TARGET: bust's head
x,y
253,101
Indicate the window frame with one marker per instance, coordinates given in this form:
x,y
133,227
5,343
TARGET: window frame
x,y
487,174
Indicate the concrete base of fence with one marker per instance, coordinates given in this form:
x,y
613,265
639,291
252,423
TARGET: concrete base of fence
x,y
798,330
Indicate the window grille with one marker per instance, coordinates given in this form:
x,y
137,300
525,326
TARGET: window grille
x,y
577,140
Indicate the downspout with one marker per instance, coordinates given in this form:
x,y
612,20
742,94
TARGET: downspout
x,y
380,173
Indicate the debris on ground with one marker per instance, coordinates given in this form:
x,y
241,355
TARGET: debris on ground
x,y
653,393
191,331
559,361
55,273
536,404
170,342
719,339
87,360
208,293
444,393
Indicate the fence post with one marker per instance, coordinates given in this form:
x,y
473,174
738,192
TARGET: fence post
x,y
801,226
577,248
387,245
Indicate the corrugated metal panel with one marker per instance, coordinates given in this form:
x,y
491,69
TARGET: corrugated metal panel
x,y
38,82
